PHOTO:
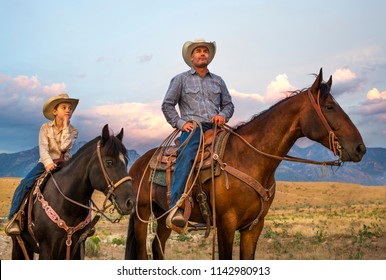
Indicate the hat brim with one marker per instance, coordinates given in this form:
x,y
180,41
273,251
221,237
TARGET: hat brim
x,y
189,46
50,105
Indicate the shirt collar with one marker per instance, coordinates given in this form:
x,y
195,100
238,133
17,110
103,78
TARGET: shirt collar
x,y
51,123
193,71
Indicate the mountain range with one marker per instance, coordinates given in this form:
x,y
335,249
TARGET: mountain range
x,y
371,171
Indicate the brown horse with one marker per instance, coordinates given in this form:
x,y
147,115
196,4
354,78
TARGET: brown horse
x,y
238,205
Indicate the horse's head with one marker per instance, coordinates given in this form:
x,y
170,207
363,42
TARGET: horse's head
x,y
110,174
336,130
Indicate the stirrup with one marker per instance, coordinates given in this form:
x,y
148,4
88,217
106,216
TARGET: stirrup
x,y
171,226
13,226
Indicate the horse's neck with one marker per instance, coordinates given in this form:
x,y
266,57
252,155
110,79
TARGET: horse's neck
x,y
71,180
276,130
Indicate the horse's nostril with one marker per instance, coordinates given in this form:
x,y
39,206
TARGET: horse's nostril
x,y
129,204
361,149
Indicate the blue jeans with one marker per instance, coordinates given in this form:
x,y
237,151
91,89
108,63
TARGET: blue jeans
x,y
184,163
25,185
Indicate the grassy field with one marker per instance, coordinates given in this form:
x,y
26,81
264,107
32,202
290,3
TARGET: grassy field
x,y
318,221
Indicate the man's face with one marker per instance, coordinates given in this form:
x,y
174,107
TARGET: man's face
x,y
200,56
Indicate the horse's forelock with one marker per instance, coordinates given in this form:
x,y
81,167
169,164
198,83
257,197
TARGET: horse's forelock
x,y
114,147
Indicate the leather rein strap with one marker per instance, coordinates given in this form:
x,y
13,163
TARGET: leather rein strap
x,y
110,184
333,140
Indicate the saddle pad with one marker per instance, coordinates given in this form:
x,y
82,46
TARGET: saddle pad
x,y
158,177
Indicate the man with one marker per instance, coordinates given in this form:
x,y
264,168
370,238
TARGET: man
x,y
202,97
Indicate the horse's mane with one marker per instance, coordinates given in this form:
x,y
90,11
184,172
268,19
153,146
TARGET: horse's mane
x,y
113,148
290,94
85,147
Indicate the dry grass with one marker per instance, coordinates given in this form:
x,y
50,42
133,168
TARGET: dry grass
x,y
322,221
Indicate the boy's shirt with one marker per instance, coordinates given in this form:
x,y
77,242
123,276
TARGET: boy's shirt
x,y
53,142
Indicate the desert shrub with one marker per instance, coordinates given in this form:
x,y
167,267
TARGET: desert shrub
x,y
119,241
93,246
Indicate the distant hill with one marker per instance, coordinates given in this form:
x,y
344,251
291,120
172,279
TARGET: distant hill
x,y
19,164
371,171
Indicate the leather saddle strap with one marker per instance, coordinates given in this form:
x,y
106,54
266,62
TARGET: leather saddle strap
x,y
250,181
168,180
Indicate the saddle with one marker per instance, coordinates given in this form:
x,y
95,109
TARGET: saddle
x,y
19,216
162,167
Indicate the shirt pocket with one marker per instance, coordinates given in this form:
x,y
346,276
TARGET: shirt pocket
x,y
192,93
214,92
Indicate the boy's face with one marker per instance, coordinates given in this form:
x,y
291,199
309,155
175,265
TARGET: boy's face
x,y
63,110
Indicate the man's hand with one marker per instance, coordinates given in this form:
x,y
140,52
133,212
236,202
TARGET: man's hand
x,y
219,120
188,126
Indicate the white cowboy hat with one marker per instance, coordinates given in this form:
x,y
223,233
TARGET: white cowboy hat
x,y
54,101
189,46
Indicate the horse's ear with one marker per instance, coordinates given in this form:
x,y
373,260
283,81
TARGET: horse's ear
x,y
120,135
105,134
329,82
316,85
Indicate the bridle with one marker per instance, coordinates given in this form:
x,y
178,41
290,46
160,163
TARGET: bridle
x,y
111,186
54,216
333,140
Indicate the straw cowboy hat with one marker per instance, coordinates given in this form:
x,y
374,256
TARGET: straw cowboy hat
x,y
54,101
189,46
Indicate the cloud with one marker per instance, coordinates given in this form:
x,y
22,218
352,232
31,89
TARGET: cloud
x,y
144,124
246,96
249,104
346,81
275,91
375,94
278,89
22,97
145,58
344,75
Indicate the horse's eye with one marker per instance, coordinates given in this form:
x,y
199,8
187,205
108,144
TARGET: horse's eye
x,y
329,107
109,162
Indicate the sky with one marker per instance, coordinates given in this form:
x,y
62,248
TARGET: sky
x,y
118,58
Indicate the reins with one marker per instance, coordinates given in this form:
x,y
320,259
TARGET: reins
x,y
334,144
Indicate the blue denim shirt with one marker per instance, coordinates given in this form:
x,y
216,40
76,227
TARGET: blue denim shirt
x,y
198,98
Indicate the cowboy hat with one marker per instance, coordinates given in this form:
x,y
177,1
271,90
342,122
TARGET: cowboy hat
x,y
54,101
189,47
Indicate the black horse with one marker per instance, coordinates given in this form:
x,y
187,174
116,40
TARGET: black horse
x,y
58,215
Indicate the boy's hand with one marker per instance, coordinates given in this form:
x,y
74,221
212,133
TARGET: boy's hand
x,y
50,167
66,120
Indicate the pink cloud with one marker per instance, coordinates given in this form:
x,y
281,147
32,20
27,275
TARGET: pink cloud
x,y
144,124
278,88
343,75
25,94
375,94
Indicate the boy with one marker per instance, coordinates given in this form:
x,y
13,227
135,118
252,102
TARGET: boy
x,y
56,138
